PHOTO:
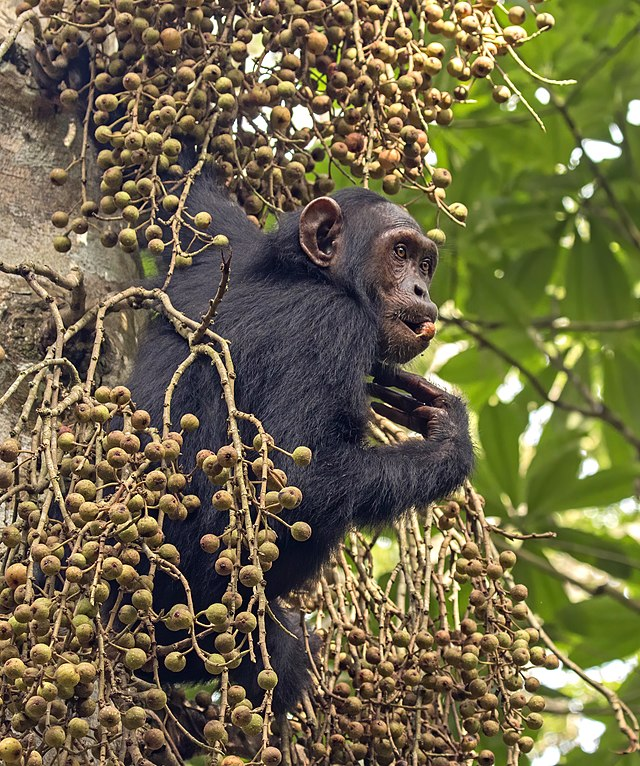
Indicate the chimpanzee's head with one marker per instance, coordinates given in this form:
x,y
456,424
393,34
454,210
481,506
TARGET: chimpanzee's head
x,y
364,239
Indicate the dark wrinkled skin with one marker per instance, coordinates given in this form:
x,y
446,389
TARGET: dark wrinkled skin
x,y
313,308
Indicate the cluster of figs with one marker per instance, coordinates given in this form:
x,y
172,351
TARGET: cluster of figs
x,y
431,666
285,98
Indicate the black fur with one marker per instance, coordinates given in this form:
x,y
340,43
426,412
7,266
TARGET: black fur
x,y
302,344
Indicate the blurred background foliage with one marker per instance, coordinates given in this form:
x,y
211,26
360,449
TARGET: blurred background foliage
x,y
539,299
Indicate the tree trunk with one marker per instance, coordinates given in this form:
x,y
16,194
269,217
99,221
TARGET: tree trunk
x,y
36,136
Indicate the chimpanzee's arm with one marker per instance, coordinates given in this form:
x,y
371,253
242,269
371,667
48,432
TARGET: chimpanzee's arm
x,y
418,471
413,473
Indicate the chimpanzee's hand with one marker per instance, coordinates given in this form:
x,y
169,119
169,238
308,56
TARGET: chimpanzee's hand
x,y
429,410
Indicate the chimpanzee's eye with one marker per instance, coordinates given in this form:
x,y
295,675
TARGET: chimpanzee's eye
x,y
426,266
400,251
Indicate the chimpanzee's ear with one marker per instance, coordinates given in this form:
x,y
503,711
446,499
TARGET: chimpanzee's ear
x,y
321,227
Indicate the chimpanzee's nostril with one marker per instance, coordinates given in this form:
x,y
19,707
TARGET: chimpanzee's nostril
x,y
419,290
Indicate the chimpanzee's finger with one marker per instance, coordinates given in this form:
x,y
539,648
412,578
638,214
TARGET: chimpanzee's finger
x,y
394,398
418,387
426,419
391,413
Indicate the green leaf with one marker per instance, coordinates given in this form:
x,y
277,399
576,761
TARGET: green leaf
x,y
149,264
615,555
603,488
547,594
596,284
621,376
478,372
604,630
500,428
555,459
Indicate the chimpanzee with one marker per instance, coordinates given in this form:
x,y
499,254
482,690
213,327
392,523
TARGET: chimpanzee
x,y
337,292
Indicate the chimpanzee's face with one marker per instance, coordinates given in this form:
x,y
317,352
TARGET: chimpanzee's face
x,y
398,262
403,262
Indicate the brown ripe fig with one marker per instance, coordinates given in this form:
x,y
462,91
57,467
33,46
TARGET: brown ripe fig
x,y
433,11
290,497
316,42
280,118
227,456
140,420
15,575
154,739
210,543
501,94
271,756
514,35
391,184
250,575
222,500
117,458
245,622
355,142
441,177
223,566
170,39
389,158
519,592
9,450
482,66
155,480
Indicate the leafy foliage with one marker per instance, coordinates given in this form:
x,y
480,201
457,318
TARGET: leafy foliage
x,y
545,286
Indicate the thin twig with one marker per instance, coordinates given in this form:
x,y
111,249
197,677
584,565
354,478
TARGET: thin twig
x,y
627,721
225,266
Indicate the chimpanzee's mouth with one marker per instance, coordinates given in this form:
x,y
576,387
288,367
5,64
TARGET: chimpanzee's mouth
x,y
423,329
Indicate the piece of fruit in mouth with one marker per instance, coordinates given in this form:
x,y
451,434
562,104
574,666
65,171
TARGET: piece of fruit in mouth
x,y
422,329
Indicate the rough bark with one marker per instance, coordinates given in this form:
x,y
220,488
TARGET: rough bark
x,y
35,136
